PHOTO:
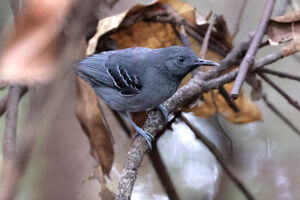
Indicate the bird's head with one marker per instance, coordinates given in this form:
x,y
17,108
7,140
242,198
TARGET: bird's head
x,y
179,61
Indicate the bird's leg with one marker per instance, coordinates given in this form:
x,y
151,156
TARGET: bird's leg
x,y
148,137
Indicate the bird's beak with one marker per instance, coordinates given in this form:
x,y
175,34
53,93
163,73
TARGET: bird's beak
x,y
203,62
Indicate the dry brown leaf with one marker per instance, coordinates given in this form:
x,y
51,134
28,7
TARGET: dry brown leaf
x,y
28,54
89,116
249,111
284,28
157,35
293,46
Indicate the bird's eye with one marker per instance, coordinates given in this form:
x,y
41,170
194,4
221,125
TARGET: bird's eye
x,y
181,59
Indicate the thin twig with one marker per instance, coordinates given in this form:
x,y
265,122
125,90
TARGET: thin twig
x,y
207,35
280,91
280,115
264,43
268,59
203,52
3,101
249,57
219,157
9,138
239,19
215,83
280,74
184,39
227,98
169,15
162,172
206,40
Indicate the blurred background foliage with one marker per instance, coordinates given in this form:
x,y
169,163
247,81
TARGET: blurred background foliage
x,y
265,154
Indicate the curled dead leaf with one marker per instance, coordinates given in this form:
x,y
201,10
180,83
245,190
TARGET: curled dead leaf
x,y
89,116
249,111
292,47
284,28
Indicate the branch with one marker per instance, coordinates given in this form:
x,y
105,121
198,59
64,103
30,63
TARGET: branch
x,y
227,98
9,139
207,35
205,43
249,57
280,74
162,172
169,15
268,59
280,91
182,36
219,157
280,115
3,101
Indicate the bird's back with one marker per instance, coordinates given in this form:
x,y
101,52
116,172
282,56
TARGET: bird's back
x,y
117,77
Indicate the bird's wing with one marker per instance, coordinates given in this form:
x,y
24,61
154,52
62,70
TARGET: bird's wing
x,y
126,82
92,69
98,72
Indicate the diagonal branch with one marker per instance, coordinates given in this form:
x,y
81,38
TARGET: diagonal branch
x,y
9,139
280,115
280,91
219,157
280,74
249,57
162,173
207,35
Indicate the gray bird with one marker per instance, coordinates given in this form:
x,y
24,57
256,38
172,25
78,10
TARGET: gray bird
x,y
138,79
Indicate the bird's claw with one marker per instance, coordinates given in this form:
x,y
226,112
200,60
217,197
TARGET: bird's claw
x,y
148,137
164,112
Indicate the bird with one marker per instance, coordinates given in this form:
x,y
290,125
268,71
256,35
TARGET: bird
x,y
138,78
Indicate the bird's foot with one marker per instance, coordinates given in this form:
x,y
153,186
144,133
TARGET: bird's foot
x,y
148,137
164,111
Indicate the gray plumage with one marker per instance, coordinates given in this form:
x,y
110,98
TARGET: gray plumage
x,y
137,79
